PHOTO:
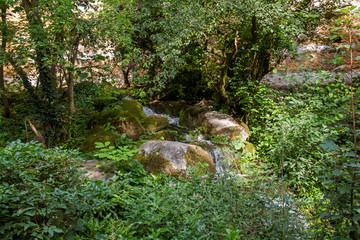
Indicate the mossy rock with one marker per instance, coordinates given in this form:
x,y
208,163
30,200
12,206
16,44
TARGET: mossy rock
x,y
129,124
122,121
191,116
104,117
213,122
171,108
133,107
97,134
234,132
172,158
155,123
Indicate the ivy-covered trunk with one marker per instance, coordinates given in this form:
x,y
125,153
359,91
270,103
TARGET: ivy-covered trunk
x,y
3,50
49,110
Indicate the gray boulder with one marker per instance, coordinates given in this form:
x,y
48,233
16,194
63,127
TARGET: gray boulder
x,y
213,123
172,158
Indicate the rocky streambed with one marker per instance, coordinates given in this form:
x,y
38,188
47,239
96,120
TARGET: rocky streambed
x,y
179,135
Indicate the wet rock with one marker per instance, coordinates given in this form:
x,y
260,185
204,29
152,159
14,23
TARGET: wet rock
x,y
213,123
155,123
191,116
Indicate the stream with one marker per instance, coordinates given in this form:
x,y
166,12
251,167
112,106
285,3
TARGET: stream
x,y
193,137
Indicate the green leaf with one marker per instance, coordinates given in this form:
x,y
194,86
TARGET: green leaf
x,y
336,172
99,145
329,146
356,218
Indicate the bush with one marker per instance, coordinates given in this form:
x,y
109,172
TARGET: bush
x,y
42,192
289,137
208,207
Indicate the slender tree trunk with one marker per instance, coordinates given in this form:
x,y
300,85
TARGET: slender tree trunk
x,y
3,50
50,111
70,77
223,98
70,85
126,78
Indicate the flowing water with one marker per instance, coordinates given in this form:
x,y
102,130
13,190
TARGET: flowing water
x,y
193,137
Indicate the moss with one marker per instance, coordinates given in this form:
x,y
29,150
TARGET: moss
x,y
96,134
155,123
250,148
101,118
245,127
195,155
134,108
155,163
124,122
128,123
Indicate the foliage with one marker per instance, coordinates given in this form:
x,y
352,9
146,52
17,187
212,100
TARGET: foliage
x,y
207,207
46,40
342,191
42,192
11,130
193,49
341,173
93,226
120,154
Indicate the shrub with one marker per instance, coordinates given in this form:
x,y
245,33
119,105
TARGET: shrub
x,y
208,207
42,192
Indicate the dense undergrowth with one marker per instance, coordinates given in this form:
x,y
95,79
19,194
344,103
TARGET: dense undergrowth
x,y
45,196
288,196
301,182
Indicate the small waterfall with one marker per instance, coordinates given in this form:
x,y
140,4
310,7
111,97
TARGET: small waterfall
x,y
216,154
193,137
172,120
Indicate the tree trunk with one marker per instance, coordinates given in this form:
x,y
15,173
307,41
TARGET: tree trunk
x,y
70,78
126,78
3,50
50,111
70,85
223,98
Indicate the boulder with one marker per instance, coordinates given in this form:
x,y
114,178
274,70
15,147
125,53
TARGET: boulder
x,y
155,123
133,107
97,134
213,122
191,116
222,124
171,108
124,122
172,157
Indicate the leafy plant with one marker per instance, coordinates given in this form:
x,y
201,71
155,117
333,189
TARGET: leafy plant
x,y
42,192
121,155
206,206
341,174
